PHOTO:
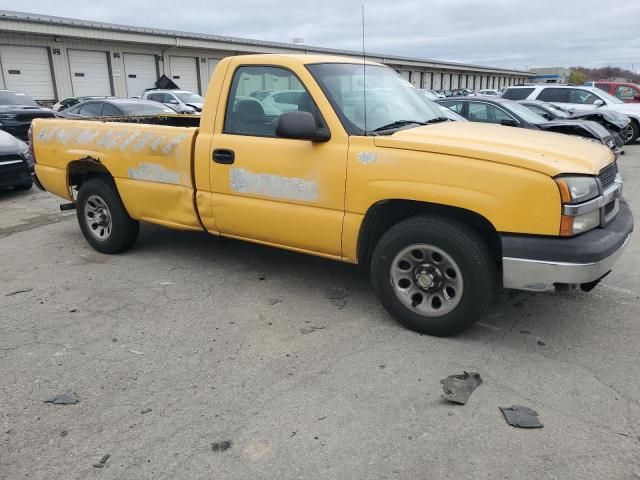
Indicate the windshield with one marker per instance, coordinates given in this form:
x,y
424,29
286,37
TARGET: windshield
x,y
606,97
389,98
17,98
524,113
188,97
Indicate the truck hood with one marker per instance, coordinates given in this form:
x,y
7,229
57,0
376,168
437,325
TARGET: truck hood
x,y
547,153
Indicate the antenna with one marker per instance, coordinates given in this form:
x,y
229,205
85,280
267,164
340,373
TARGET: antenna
x,y
364,74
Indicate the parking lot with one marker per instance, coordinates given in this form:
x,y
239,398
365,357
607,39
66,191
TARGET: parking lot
x,y
188,340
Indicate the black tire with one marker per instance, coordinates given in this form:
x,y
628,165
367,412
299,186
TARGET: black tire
x,y
122,231
634,133
471,256
24,186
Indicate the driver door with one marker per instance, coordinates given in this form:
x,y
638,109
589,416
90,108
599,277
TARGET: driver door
x,y
271,190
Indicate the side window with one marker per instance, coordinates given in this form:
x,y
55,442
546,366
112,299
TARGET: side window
x,y
536,109
156,97
583,97
517,93
92,109
109,110
250,113
483,112
455,106
496,114
557,95
602,86
626,93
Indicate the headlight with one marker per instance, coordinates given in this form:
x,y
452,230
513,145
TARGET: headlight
x,y
577,189
571,226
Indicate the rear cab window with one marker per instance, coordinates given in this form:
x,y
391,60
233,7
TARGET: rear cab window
x,y
517,93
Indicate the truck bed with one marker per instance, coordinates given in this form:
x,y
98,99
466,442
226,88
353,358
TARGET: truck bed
x,y
149,158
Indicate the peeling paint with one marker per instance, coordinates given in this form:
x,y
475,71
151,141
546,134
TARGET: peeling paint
x,y
153,173
63,137
131,138
87,136
262,184
173,143
155,143
367,157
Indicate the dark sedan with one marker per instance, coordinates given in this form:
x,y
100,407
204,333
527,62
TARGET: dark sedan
x,y
116,107
616,123
16,163
17,109
512,114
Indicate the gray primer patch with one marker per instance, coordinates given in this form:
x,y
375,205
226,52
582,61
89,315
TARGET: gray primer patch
x,y
289,188
87,136
172,144
366,157
153,173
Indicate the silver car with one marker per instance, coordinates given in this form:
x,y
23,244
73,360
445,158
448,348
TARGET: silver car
x,y
182,101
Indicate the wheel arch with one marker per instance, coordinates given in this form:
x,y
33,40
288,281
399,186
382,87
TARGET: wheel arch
x,y
384,214
83,169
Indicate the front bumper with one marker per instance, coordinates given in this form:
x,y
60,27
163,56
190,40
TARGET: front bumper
x,y
13,172
543,263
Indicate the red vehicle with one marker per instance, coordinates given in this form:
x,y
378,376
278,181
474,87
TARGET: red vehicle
x,y
627,92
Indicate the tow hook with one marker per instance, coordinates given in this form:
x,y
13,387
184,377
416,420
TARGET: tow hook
x,y
67,206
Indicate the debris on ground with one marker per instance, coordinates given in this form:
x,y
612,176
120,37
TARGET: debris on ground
x,y
136,352
102,461
521,417
68,398
338,296
20,290
64,433
73,310
221,446
146,410
314,327
541,343
526,332
273,301
164,284
519,304
305,331
458,388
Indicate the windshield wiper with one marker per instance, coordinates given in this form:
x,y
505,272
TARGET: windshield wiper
x,y
436,120
397,124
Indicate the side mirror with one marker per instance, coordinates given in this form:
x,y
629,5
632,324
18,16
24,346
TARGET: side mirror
x,y
509,122
598,103
300,126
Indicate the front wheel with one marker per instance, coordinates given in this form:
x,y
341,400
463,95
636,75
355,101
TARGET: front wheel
x,y
630,133
434,275
104,221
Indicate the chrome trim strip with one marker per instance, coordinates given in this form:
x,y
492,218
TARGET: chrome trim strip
x,y
540,276
611,193
10,162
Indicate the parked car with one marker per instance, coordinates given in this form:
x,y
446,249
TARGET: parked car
x,y
618,124
435,93
283,100
443,213
578,98
513,114
487,92
182,101
113,107
71,101
17,109
260,94
16,163
627,92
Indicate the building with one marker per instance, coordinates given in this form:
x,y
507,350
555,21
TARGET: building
x,y
51,58
550,75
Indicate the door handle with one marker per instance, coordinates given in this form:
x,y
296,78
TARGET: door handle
x,y
224,156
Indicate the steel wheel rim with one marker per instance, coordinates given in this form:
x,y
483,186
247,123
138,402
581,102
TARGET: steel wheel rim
x,y
427,280
628,133
98,217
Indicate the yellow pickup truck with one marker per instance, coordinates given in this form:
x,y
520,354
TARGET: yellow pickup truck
x,y
344,159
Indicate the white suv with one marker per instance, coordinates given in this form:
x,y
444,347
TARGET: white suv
x,y
580,98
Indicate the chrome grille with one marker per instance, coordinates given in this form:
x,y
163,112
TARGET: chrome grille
x,y
608,175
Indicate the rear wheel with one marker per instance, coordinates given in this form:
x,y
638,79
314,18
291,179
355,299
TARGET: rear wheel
x,y
104,221
631,133
434,275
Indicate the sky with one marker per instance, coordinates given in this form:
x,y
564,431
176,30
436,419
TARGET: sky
x,y
503,33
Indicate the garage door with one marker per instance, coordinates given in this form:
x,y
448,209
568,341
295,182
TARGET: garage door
x,y
28,70
140,73
213,63
89,73
426,80
184,73
437,81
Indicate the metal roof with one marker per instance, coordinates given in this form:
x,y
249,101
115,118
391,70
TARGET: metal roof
x,y
394,59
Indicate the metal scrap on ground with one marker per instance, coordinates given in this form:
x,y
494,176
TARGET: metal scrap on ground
x,y
102,461
20,290
338,296
221,446
458,388
68,398
521,417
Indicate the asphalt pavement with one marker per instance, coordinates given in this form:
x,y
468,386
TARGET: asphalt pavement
x,y
195,357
